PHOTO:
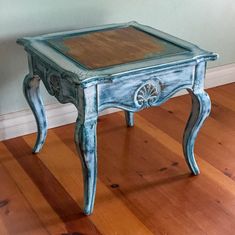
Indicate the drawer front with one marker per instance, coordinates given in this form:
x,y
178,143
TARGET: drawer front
x,y
141,91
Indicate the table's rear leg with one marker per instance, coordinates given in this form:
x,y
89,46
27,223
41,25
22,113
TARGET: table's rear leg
x,y
201,107
32,95
85,139
129,118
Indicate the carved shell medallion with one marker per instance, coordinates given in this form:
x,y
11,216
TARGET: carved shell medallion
x,y
147,94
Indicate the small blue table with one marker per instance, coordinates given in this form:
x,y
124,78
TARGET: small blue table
x,y
128,66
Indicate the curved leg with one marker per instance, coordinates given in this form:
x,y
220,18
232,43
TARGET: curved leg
x,y
32,95
201,107
85,139
129,118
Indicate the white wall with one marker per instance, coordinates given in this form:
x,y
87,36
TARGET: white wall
x,y
210,24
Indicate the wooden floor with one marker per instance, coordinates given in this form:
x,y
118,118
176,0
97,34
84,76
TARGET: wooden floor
x,y
144,186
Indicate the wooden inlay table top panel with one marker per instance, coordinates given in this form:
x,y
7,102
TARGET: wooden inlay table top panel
x,y
112,47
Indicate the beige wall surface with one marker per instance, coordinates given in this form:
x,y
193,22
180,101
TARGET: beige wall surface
x,y
209,24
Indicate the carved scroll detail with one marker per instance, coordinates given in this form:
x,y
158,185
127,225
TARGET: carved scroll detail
x,y
147,94
55,84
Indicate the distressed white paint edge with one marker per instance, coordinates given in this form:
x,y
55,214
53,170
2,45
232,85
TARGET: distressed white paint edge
x,y
22,122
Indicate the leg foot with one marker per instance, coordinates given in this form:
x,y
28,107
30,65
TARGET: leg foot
x,y
201,107
129,118
32,95
85,139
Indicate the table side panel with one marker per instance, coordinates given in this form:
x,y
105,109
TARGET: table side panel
x,y
58,83
141,91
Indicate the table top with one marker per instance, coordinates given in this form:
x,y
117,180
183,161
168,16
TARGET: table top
x,y
96,50
110,50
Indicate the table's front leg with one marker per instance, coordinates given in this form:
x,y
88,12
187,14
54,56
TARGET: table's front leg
x,y
85,139
201,106
32,95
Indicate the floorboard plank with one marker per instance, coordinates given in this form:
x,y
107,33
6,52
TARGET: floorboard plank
x,y
16,214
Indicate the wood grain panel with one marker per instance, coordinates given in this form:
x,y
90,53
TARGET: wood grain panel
x,y
112,47
16,214
30,192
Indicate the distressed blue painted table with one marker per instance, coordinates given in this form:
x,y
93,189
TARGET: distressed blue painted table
x,y
128,66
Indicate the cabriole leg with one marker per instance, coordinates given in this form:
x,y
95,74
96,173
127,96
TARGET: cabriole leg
x,y
201,107
85,139
129,118
32,95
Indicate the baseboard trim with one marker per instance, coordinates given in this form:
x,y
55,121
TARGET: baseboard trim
x,y
22,122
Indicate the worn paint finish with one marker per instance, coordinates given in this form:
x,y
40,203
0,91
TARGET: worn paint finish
x,y
166,83
129,86
201,107
85,139
129,116
32,95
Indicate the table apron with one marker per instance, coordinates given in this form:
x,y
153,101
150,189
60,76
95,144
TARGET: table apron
x,y
140,91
